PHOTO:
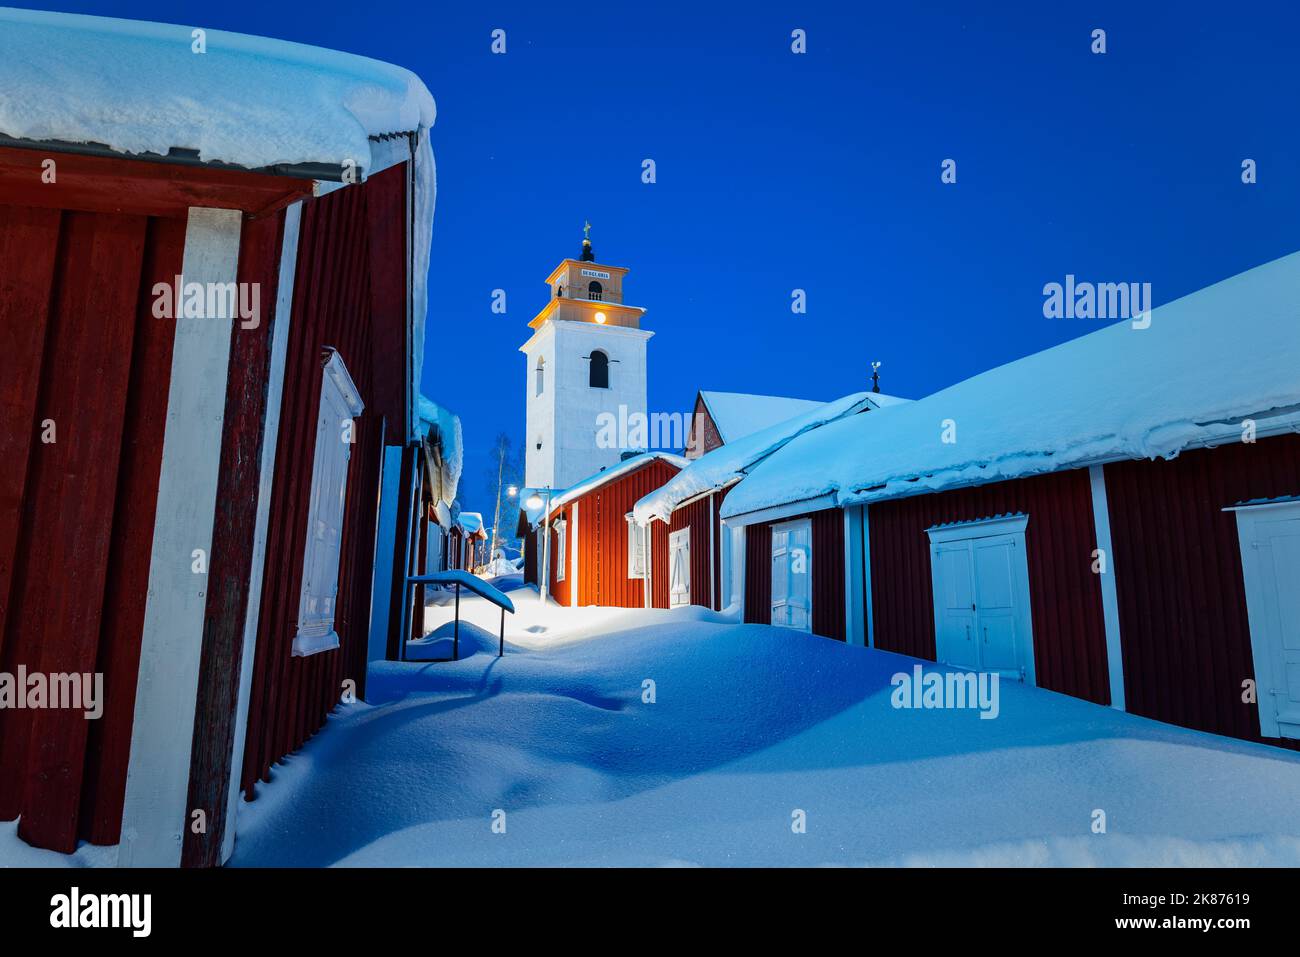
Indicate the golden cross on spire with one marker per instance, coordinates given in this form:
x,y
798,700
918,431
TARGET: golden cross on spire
x,y
586,230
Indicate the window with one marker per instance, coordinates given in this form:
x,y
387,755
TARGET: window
x,y
679,568
595,291
599,376
340,403
560,551
635,548
541,374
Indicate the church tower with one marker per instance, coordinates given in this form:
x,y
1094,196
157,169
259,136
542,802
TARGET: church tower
x,y
586,357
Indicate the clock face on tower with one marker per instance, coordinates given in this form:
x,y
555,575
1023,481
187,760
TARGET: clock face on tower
x,y
586,359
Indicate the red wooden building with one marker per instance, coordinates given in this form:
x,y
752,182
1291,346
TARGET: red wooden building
x,y
596,554
210,330
1117,518
684,514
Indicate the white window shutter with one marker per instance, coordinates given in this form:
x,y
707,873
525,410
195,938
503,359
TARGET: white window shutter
x,y
340,402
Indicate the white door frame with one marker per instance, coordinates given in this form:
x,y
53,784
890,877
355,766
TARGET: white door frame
x,y
1262,614
1009,526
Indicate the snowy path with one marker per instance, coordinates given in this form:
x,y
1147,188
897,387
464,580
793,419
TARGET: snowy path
x,y
750,724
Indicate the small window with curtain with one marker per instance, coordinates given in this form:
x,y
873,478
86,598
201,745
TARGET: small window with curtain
x,y
599,378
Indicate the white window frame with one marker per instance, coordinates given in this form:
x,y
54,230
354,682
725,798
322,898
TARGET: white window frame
x,y
340,402
681,535
635,548
561,552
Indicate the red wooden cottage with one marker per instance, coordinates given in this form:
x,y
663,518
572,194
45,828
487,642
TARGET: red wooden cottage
x,y
211,317
596,554
685,511
1116,518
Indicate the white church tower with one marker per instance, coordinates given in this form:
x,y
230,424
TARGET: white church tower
x,y
586,357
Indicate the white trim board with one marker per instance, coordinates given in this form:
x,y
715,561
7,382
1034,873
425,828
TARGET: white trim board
x,y
856,573
171,641
270,441
1109,594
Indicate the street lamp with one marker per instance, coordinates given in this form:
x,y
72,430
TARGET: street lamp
x,y
512,490
535,501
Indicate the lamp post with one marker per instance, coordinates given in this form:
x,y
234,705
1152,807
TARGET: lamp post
x,y
544,573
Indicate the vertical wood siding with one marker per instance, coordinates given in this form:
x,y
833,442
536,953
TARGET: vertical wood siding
x,y
332,307
758,574
78,345
1065,595
1182,600
602,535
559,590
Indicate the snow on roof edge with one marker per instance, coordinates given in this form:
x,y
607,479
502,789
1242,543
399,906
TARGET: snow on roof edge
x,y
727,464
621,468
1121,392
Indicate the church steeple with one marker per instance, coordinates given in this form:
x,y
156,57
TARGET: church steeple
x,y
587,255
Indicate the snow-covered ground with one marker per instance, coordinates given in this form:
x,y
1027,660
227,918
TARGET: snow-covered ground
x,y
750,726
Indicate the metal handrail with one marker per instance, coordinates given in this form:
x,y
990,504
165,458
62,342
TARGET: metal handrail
x,y
434,579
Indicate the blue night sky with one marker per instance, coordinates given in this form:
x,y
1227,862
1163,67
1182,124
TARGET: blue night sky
x,y
821,172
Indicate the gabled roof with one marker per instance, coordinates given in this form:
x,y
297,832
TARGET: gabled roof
x,y
1206,363
737,414
727,463
604,476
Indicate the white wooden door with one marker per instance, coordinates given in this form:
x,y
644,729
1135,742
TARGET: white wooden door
x,y
997,614
981,597
792,575
1270,555
955,628
679,565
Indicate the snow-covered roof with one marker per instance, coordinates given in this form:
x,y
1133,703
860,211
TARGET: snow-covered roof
x,y
727,463
737,414
1207,362
432,416
140,88
629,464
470,522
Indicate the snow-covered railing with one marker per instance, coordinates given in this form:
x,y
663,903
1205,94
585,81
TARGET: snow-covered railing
x,y
475,584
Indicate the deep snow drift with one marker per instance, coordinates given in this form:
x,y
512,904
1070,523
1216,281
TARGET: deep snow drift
x,y
749,725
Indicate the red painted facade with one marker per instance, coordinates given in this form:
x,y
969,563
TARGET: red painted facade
x,y
333,307
602,540
76,512
826,569
1182,601
1064,594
